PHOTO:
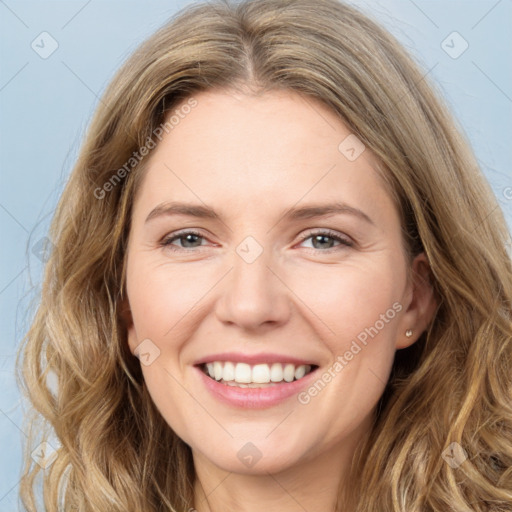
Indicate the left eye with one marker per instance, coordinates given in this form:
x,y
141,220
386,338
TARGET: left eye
x,y
189,239
321,236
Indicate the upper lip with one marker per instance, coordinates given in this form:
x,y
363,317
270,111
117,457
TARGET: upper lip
x,y
252,359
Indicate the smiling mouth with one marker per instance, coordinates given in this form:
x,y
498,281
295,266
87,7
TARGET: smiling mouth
x,y
255,376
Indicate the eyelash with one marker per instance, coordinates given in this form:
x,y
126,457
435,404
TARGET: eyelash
x,y
167,242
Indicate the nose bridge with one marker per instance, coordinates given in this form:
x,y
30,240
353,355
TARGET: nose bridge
x,y
251,263
252,294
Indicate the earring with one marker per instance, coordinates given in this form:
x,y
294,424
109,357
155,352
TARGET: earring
x,y
408,333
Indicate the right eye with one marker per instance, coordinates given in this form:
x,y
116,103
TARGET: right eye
x,y
189,237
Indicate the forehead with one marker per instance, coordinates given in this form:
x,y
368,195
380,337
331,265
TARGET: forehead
x,y
253,151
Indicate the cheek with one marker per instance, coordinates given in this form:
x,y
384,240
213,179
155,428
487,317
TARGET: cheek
x,y
161,296
162,301
361,306
349,299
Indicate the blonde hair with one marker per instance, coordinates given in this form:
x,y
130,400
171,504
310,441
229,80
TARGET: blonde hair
x,y
454,385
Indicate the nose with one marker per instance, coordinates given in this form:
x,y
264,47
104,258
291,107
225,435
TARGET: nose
x,y
253,295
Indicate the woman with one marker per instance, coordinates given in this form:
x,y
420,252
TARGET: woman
x,y
198,365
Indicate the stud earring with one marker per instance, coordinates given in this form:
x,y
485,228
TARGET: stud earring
x,y
408,333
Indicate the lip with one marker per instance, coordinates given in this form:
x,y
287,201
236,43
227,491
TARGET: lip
x,y
255,398
262,358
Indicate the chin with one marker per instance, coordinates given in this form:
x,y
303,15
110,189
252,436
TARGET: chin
x,y
248,459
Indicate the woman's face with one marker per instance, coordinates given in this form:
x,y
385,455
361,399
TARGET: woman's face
x,y
273,274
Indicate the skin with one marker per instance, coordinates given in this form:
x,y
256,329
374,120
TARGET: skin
x,y
252,158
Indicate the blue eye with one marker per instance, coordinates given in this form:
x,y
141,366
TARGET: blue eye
x,y
188,240
189,236
321,236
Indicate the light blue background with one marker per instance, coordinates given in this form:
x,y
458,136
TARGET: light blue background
x,y
45,105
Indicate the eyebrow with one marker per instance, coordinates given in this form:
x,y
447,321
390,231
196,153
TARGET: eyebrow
x,y
297,213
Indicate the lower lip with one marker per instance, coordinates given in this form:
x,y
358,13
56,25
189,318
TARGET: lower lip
x,y
255,398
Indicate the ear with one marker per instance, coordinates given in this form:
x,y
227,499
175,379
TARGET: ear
x,y
125,314
421,304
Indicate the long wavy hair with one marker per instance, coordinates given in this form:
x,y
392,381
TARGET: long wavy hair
x,y
454,385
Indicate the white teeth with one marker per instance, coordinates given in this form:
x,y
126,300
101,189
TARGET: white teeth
x,y
289,372
229,371
242,373
300,372
217,369
276,372
259,374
